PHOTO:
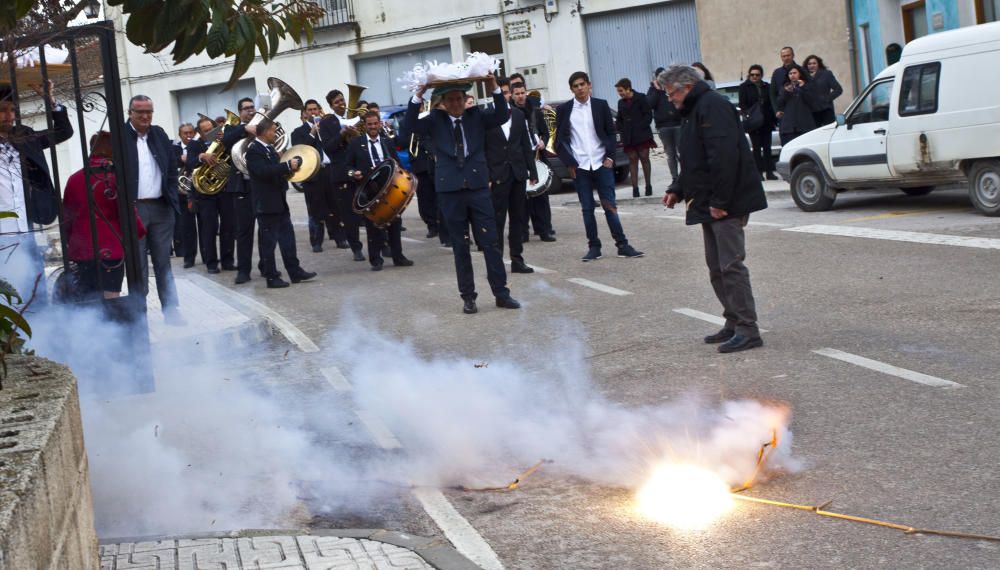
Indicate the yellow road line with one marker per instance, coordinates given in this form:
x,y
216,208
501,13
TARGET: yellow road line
x,y
890,215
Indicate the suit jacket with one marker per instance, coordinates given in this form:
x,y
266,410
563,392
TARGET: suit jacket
x,y
268,179
303,135
449,174
604,124
335,148
164,157
195,148
513,156
232,134
41,200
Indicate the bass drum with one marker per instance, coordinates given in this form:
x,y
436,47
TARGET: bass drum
x,y
545,177
385,193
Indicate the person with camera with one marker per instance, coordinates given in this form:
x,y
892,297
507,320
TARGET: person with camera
x,y
795,103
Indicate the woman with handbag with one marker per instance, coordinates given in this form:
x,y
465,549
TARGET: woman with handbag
x,y
758,119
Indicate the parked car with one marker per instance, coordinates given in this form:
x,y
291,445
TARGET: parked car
x,y
731,89
933,118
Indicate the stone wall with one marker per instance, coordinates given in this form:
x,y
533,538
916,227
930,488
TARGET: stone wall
x,y
46,513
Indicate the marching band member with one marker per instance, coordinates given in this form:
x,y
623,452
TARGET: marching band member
x,y
206,208
186,231
332,137
539,208
318,191
237,206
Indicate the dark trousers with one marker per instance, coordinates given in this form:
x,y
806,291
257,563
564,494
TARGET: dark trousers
x,y
322,210
377,237
760,144
603,180
158,218
245,221
725,250
540,214
187,229
459,208
509,197
227,228
208,224
343,197
427,200
277,230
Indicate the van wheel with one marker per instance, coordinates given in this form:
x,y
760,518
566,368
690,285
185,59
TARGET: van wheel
x,y
918,191
809,188
984,186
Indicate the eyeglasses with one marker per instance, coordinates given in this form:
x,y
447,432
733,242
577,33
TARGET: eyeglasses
x,y
141,111
247,108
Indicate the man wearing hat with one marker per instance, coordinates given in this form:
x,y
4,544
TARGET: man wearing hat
x,y
461,179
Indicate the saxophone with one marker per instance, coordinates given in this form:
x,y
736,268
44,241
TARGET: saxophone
x,y
211,179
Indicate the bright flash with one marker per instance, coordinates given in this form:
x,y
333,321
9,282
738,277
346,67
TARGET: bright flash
x,y
684,496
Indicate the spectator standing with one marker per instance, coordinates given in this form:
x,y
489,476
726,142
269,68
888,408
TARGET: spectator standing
x,y
633,123
755,104
780,76
667,121
796,104
706,75
826,89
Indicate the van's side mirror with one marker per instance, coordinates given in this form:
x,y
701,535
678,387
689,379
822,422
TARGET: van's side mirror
x,y
841,120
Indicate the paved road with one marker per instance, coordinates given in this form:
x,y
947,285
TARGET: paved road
x,y
864,286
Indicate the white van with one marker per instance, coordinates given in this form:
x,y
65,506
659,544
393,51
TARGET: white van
x,y
933,118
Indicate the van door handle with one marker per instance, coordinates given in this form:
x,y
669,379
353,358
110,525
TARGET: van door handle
x,y
879,131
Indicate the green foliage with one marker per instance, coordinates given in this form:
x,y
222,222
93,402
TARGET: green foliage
x,y
220,28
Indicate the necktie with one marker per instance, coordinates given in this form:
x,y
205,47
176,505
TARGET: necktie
x,y
459,143
373,149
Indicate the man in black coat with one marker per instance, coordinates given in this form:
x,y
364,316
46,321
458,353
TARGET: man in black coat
x,y
334,138
151,181
268,186
236,210
186,229
780,76
539,209
319,195
721,187
511,160
364,153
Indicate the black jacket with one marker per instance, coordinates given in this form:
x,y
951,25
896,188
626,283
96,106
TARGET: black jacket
x,y
357,156
797,106
825,88
232,134
717,168
778,79
604,124
303,135
750,95
634,120
335,148
163,154
665,115
268,179
513,156
42,199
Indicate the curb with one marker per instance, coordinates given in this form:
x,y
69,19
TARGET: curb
x,y
205,346
437,552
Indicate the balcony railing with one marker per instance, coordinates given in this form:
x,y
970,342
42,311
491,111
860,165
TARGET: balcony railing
x,y
338,13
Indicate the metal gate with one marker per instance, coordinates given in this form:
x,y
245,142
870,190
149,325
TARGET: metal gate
x,y
86,83
633,42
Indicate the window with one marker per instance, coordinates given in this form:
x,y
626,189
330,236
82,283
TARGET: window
x,y
874,106
918,94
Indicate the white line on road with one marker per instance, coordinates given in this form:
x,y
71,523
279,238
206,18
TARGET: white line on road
x,y
412,240
379,431
284,326
458,530
895,235
889,369
538,269
599,286
336,379
705,317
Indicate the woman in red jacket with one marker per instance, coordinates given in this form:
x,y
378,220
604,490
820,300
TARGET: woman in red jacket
x,y
110,255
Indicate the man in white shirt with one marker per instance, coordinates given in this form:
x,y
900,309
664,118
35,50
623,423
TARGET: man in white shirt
x,y
586,144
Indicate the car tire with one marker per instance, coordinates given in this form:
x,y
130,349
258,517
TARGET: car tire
x,y
984,186
621,174
918,191
809,188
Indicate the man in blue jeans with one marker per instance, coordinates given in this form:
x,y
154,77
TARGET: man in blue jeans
x,y
585,142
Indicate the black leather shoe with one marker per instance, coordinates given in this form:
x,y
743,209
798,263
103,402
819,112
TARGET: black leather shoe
x,y
242,278
548,237
317,248
228,267
358,256
213,270
740,342
470,307
721,336
771,176
635,192
277,283
520,267
302,275
508,303
649,190
342,244
431,233
377,266
188,264
402,261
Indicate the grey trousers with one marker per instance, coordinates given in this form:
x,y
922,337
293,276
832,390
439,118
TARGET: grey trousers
x,y
725,250
670,137
158,218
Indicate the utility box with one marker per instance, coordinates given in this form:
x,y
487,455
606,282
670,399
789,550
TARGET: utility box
x,y
551,6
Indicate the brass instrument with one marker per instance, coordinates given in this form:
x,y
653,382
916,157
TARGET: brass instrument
x,y
311,162
550,121
354,112
414,140
183,182
211,179
282,97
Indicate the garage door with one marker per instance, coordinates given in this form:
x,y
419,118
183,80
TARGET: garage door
x,y
210,101
379,74
632,43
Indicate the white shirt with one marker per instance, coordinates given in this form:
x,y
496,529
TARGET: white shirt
x,y
324,160
375,149
506,128
588,150
150,177
12,190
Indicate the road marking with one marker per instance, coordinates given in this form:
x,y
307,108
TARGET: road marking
x,y
535,267
458,530
412,240
284,326
894,235
767,224
378,430
599,286
889,369
336,379
891,215
706,317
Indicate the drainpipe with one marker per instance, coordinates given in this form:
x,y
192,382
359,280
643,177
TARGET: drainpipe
x,y
851,46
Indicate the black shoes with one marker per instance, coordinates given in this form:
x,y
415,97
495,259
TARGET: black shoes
x,y
739,343
213,270
469,307
377,266
507,303
402,261
721,336
649,190
520,267
431,233
228,267
188,264
358,256
548,237
593,254
629,251
276,283
635,192
771,176
242,278
302,275
317,248
342,244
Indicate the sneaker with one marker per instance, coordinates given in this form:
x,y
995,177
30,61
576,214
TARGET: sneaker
x,y
629,251
593,254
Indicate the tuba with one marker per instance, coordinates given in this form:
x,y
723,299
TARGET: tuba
x,y
211,179
282,97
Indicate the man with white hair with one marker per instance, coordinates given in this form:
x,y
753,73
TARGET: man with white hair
x,y
720,186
